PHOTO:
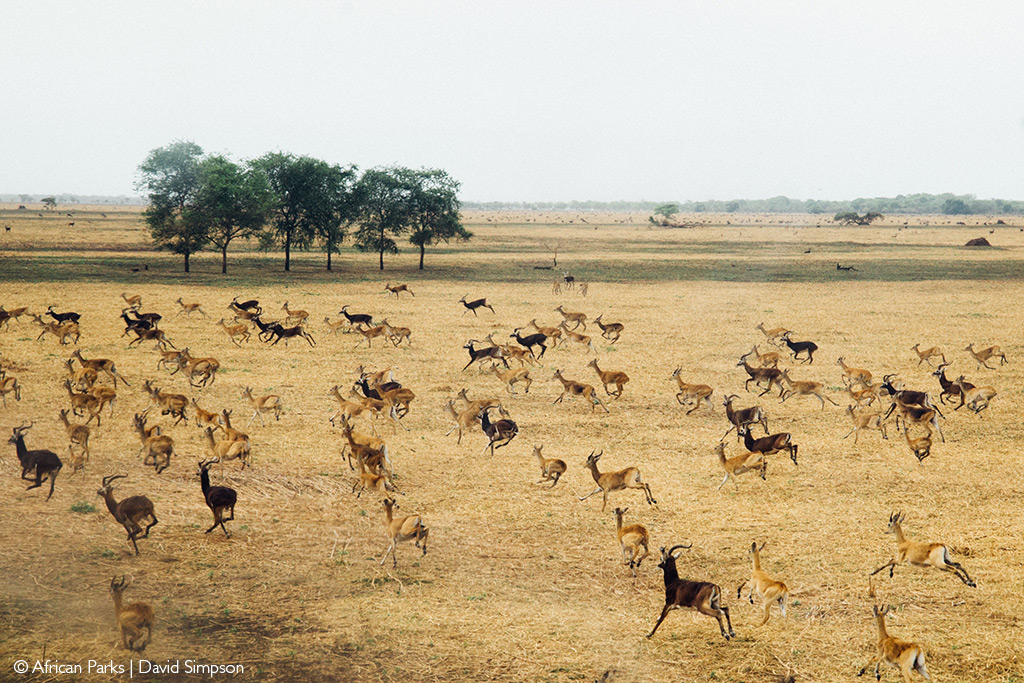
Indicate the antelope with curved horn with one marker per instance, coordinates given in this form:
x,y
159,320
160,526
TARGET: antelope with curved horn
x,y
129,512
702,596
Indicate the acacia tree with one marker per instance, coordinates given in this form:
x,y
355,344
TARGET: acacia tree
x,y
310,201
436,205
231,202
386,208
170,175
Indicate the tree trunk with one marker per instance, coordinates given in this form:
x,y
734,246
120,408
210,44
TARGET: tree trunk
x,y
382,248
328,258
224,260
288,251
187,254
423,248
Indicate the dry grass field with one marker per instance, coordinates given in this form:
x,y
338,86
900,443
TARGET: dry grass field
x,y
523,582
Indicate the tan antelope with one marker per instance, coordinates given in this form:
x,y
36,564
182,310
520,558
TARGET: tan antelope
x,y
237,333
986,353
407,528
900,654
773,335
768,589
616,377
804,388
574,317
189,309
607,482
633,540
296,317
397,289
513,375
692,393
132,619
576,337
865,420
271,403
551,469
610,331
929,353
572,388
920,554
852,374
740,464
768,359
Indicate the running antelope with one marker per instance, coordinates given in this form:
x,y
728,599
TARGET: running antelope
x,y
899,654
920,554
633,540
607,482
768,589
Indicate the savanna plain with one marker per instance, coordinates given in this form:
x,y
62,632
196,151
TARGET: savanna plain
x,y
523,581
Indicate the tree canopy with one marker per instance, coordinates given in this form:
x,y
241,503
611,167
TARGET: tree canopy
x,y
170,176
386,209
436,207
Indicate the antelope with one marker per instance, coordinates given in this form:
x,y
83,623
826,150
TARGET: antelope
x,y
510,377
170,404
900,654
218,498
576,337
773,335
228,449
277,333
693,393
551,469
397,289
399,397
70,316
851,374
82,403
531,340
804,388
571,388
204,418
986,353
740,464
768,359
920,554
356,318
158,448
132,619
498,433
584,288
865,420
230,432
950,388
104,396
168,359
797,348
759,375
929,353
100,365
921,446
356,439
13,314
556,287
334,325
607,482
479,404
773,443
407,528
297,316
704,597
346,409
975,398
83,378
243,313
133,301
476,354
42,464
397,334
473,305
573,317
861,394
926,417
78,434
251,305
271,403
768,589
9,385
370,334
744,417
371,456
552,333
129,512
616,377
610,331
189,309
369,480
632,539
191,367
61,330
154,334
235,332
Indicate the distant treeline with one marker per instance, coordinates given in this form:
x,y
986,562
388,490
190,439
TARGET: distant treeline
x,y
948,203
73,199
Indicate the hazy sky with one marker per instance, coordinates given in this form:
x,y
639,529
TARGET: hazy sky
x,y
528,100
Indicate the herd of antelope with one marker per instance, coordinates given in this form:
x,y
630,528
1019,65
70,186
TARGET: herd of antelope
x,y
373,396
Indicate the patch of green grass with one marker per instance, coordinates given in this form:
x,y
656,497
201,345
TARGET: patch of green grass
x,y
83,507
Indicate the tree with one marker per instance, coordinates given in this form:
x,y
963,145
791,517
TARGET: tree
x,y
49,203
956,207
666,211
230,202
436,210
386,209
311,199
170,175
853,218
